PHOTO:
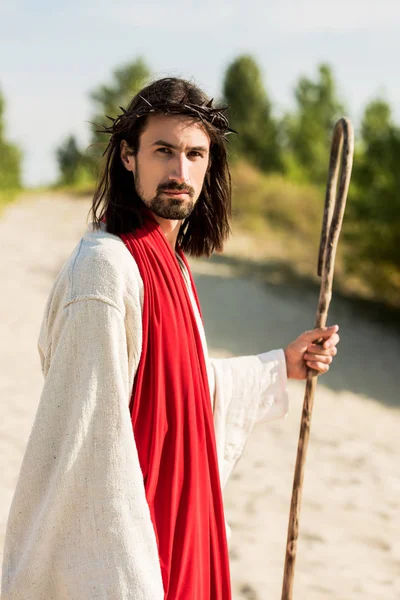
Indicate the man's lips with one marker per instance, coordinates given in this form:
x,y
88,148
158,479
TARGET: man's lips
x,y
175,192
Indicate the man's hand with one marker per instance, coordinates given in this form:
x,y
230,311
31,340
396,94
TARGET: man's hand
x,y
303,352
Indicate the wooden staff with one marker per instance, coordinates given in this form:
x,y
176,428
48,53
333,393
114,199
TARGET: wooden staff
x,y
335,202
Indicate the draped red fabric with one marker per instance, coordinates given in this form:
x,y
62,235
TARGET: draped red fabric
x,y
173,428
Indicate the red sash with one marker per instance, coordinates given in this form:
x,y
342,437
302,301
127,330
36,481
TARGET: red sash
x,y
173,428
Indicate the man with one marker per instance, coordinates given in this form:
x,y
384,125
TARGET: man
x,y
137,430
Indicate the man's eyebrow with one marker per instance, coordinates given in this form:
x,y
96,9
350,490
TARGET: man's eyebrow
x,y
173,147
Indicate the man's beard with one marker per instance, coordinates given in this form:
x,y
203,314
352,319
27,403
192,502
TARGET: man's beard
x,y
165,206
170,208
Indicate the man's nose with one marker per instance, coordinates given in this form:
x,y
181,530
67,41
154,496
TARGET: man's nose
x,y
180,170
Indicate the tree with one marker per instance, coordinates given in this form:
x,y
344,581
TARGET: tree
x,y
10,163
376,122
250,113
71,161
308,131
374,202
76,164
126,82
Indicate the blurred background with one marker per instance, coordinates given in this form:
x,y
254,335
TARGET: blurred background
x,y
287,71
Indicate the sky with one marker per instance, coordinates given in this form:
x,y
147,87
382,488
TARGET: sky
x,y
53,53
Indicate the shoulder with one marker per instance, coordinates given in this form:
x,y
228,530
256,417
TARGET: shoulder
x,y
101,265
99,271
99,268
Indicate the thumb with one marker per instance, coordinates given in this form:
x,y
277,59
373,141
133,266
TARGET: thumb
x,y
320,332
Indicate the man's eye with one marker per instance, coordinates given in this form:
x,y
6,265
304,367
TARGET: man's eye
x,y
195,153
164,150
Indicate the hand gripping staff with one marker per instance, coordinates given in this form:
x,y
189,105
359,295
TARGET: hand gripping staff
x,y
335,202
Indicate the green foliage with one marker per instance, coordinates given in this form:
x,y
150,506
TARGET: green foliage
x,y
11,156
250,114
376,122
374,203
289,208
10,166
79,167
308,131
126,82
71,162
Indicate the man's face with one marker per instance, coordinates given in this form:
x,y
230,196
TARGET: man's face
x,y
170,165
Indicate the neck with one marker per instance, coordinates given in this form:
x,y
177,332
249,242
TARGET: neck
x,y
170,229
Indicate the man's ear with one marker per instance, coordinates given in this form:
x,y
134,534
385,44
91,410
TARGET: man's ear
x,y
127,156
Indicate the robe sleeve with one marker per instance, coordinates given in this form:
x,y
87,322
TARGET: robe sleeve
x,y
79,526
247,389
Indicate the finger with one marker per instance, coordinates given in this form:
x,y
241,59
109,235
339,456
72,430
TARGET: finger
x,y
332,341
320,358
318,366
321,332
315,349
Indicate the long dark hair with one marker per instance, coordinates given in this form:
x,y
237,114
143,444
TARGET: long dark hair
x,y
115,199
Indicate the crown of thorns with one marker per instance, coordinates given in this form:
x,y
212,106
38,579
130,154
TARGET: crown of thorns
x,y
203,112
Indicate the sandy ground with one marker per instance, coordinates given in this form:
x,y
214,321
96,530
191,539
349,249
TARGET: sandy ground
x,y
350,522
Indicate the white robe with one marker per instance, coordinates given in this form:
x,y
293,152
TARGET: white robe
x,y
79,526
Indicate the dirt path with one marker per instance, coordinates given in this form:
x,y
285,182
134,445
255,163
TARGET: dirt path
x,y
350,523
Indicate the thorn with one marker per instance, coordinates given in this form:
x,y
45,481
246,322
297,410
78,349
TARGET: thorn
x,y
144,99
